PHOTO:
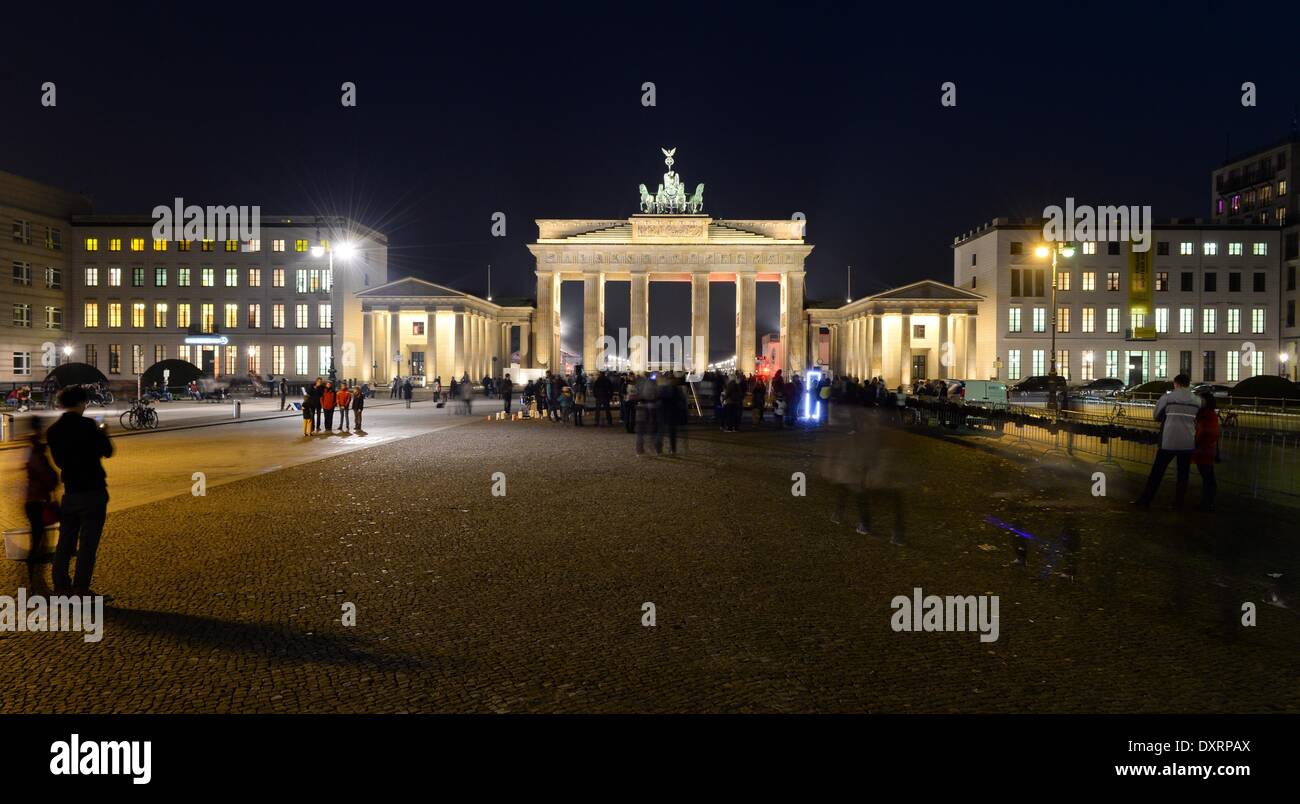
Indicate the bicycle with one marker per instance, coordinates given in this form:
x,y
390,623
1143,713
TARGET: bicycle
x,y
140,416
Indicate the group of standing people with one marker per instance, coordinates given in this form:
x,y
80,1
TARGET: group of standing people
x,y
321,400
1189,434
77,446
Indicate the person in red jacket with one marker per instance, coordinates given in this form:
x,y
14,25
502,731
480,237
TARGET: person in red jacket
x,y
343,399
1207,449
327,401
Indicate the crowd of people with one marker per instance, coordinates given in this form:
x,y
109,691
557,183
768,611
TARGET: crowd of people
x,y
321,401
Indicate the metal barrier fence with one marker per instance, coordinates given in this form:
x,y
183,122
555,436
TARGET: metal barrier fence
x,y
1252,460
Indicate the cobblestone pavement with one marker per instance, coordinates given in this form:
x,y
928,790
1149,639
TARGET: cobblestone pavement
x,y
532,602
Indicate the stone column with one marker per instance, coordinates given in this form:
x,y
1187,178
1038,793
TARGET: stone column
x,y
395,340
430,345
458,368
593,319
745,312
548,304
367,346
872,323
639,337
796,347
905,349
972,352
525,354
946,355
699,347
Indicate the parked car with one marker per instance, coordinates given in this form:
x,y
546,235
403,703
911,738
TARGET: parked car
x,y
1101,388
1037,389
1219,390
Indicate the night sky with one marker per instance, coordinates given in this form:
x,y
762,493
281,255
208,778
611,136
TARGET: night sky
x,y
535,111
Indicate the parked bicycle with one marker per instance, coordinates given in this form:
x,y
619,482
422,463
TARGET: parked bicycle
x,y
140,416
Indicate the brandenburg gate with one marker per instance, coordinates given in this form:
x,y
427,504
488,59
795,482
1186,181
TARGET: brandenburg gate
x,y
670,241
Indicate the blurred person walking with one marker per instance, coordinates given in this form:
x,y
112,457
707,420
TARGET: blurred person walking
x,y
38,504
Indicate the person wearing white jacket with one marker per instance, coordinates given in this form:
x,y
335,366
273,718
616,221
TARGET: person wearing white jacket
x,y
1176,411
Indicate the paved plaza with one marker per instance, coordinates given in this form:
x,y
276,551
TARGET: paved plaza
x,y
533,601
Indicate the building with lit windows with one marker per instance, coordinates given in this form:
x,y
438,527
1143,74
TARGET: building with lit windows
x,y
35,254
232,307
1212,311
1257,187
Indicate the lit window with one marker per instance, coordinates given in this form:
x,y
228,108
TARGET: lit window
x,y
137,314
253,245
1257,321
182,277
254,277
115,277
1089,280
1162,320
115,314
1040,320
278,245
1234,320
232,245
300,245
277,277
1210,249
90,314
1185,317
1186,248
232,277
208,278
1260,249
183,315
1063,280
1013,319
1063,319
207,245
1234,249
160,315
182,245
1089,319
159,245
232,316
1112,319
115,244
137,244
1090,248
1209,321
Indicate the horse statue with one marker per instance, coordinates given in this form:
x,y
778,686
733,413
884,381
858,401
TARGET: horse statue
x,y
696,202
647,200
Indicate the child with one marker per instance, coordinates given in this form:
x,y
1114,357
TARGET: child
x,y
306,418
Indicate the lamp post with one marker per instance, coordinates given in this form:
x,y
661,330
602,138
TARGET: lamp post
x,y
1066,250
346,250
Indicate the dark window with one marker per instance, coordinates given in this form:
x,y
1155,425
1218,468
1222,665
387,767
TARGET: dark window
x,y
1211,281
1234,282
1290,312
1290,277
1207,366
1187,284
1292,247
1162,248
1162,280
974,280
1185,362
1015,282
1015,247
973,255
1258,283
1040,288
1112,249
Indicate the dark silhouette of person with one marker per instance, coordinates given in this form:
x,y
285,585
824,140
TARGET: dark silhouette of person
x,y
77,445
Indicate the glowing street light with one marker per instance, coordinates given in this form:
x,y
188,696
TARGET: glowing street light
x,y
1066,250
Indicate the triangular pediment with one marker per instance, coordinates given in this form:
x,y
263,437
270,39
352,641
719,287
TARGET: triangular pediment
x,y
927,290
410,288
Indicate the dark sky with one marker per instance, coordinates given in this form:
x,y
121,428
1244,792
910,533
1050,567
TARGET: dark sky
x,y
535,110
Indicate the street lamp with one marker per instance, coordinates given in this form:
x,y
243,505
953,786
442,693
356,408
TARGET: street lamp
x,y
345,251
1066,250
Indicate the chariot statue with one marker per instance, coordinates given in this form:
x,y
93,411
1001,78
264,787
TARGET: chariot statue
x,y
671,196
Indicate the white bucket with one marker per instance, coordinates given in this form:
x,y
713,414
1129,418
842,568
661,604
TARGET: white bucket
x,y
18,542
